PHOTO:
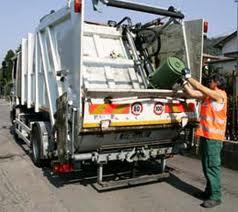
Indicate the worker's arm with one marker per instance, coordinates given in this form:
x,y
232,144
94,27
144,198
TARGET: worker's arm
x,y
186,73
205,91
193,93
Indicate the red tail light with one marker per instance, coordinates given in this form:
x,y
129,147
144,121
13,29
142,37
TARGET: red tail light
x,y
63,168
205,27
77,6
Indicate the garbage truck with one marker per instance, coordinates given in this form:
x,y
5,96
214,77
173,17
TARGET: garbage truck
x,y
90,93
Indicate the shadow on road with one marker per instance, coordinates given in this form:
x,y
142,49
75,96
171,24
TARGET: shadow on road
x,y
113,172
20,142
60,180
88,177
179,184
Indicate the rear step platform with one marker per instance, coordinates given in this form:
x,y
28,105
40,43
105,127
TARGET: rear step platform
x,y
112,185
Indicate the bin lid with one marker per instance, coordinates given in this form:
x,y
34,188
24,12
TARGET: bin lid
x,y
176,65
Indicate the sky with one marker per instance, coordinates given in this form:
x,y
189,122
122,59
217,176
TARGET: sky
x,y
18,17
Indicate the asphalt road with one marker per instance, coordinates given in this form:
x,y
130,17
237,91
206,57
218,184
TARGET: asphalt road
x,y
24,187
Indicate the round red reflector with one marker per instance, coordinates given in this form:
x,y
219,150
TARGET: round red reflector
x,y
136,108
158,108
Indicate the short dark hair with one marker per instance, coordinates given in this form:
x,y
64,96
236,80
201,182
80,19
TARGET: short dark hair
x,y
220,80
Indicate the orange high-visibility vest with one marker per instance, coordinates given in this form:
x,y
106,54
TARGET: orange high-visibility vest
x,y
213,119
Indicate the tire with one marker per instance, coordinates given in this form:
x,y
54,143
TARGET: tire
x,y
12,115
15,111
36,147
15,135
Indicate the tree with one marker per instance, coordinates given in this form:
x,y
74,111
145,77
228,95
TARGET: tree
x,y
1,82
7,66
209,44
18,49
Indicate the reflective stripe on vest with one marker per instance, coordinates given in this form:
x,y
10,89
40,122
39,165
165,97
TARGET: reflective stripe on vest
x,y
209,118
212,121
212,130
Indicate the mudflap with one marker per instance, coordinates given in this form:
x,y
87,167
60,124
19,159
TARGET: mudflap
x,y
61,127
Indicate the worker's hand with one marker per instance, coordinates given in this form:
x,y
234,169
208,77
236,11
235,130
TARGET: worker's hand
x,y
182,82
186,74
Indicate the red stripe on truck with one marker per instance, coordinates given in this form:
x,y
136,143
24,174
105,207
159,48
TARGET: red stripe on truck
x,y
179,107
103,109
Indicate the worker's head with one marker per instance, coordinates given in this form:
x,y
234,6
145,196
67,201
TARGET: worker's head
x,y
217,81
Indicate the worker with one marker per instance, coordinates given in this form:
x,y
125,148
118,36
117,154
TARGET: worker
x,y
211,131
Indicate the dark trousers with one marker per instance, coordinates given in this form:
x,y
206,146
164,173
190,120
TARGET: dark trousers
x,y
211,164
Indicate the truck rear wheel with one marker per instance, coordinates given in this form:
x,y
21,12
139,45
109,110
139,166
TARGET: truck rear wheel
x,y
15,111
36,147
12,115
